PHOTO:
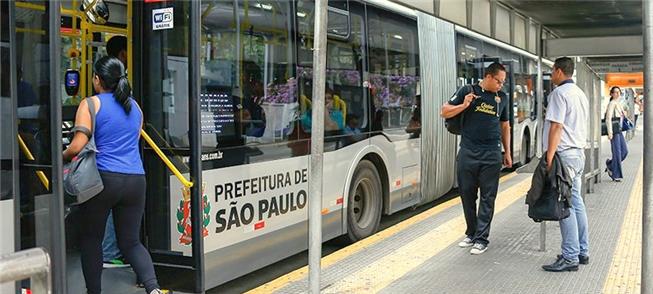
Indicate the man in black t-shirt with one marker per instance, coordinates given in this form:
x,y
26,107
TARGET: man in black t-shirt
x,y
485,128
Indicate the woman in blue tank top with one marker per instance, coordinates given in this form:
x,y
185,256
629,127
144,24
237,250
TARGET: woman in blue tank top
x,y
117,134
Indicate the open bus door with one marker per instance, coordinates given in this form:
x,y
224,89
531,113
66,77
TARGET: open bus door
x,y
175,269
8,154
31,200
41,43
166,46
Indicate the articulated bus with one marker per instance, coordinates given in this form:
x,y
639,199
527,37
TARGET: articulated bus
x,y
225,87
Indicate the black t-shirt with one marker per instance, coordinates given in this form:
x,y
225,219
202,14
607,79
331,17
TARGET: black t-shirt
x,y
481,129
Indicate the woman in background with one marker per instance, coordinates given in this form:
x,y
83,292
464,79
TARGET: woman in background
x,y
617,141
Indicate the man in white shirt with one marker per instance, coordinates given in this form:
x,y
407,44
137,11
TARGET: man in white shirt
x,y
565,133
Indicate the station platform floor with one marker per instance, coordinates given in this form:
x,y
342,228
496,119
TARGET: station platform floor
x,y
420,254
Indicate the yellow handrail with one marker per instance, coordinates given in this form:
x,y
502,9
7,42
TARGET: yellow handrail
x,y
30,6
28,154
165,160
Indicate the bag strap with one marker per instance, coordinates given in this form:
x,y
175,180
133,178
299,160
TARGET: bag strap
x,y
91,109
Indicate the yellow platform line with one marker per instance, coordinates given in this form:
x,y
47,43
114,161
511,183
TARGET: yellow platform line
x,y
382,272
343,253
624,275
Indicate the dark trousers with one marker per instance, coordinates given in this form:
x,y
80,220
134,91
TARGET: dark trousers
x,y
619,153
478,169
125,195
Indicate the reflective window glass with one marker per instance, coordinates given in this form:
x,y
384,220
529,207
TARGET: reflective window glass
x,y
394,68
347,113
33,85
248,93
6,110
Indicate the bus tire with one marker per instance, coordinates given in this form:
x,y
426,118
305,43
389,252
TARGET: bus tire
x,y
365,202
525,149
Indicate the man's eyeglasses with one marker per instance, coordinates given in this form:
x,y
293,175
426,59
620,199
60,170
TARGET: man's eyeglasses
x,y
499,81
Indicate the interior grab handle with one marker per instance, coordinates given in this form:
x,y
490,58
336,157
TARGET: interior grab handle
x,y
40,174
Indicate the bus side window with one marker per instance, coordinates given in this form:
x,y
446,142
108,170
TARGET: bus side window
x,y
344,72
256,67
394,67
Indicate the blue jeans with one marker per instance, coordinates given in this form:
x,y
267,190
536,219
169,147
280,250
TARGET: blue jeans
x,y
619,153
110,243
575,236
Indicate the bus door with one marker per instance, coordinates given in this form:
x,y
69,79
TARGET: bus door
x,y
162,66
84,37
31,200
83,40
8,150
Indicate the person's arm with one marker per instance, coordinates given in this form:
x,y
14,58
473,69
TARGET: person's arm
x,y
449,110
505,140
504,120
458,102
609,113
555,115
82,119
555,133
333,120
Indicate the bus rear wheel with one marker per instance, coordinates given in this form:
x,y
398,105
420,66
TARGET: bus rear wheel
x,y
525,149
365,202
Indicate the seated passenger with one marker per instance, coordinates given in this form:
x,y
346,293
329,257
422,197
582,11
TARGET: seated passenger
x,y
338,103
333,117
352,131
415,123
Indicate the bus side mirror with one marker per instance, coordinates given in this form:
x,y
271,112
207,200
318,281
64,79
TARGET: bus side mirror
x,y
72,82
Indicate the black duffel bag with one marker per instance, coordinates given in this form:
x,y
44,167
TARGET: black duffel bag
x,y
551,206
616,126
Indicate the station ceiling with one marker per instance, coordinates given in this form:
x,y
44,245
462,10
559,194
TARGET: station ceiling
x,y
584,18
589,18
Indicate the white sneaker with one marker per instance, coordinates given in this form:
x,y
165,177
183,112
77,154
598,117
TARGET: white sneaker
x,y
467,242
478,248
157,291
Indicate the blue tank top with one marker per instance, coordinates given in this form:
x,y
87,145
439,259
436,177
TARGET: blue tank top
x,y
116,136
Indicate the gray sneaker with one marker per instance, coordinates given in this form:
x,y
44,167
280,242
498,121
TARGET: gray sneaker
x,y
478,248
465,243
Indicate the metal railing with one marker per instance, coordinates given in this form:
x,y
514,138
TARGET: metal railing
x,y
31,264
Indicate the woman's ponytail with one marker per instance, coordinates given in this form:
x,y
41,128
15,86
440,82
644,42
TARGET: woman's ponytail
x,y
123,92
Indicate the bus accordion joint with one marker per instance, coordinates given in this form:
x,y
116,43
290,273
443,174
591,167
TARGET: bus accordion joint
x,y
165,160
39,173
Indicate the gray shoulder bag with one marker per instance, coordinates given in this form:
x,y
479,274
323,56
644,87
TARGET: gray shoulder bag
x,y
81,177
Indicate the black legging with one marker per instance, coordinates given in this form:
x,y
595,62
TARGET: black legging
x,y
125,195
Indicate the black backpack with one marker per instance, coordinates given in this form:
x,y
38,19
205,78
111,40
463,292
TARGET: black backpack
x,y
455,124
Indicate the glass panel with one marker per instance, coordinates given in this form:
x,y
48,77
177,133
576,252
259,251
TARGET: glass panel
x,y
338,24
248,80
347,115
33,102
469,55
339,4
394,71
6,111
165,105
